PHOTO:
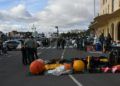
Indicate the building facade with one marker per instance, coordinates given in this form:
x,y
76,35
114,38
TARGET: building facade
x,y
108,20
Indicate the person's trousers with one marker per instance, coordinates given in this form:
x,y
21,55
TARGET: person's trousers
x,y
24,56
31,54
35,53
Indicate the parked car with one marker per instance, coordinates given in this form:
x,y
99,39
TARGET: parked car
x,y
12,44
39,43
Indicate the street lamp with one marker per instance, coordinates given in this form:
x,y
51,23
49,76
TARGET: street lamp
x,y
94,7
57,30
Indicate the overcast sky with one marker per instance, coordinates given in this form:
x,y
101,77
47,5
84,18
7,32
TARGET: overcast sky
x,y
45,14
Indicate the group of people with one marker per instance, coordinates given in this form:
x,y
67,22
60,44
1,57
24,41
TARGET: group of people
x,y
45,42
105,42
29,50
61,43
81,42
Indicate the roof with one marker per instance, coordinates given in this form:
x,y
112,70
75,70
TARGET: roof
x,y
103,19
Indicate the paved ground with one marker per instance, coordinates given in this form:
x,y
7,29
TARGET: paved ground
x,y
13,73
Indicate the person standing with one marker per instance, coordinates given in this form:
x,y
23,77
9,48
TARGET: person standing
x,y
24,53
102,40
29,44
63,43
96,42
35,48
78,42
58,43
108,42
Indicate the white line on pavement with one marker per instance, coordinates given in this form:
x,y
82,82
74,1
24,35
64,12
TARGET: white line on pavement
x,y
70,46
65,46
75,80
39,53
71,77
54,47
62,56
49,47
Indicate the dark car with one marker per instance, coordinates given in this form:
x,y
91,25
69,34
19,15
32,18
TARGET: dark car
x,y
12,44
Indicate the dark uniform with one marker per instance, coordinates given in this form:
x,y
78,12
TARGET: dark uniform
x,y
24,55
35,49
29,49
58,43
63,43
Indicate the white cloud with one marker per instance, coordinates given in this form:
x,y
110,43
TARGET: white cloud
x,y
64,13
18,14
20,11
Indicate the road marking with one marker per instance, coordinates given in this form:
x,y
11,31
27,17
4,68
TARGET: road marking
x,y
62,56
65,46
54,47
70,46
71,77
39,53
49,47
75,80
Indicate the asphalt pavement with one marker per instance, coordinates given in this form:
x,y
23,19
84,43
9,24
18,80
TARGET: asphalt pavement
x,y
13,73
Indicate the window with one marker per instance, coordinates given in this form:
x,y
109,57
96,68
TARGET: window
x,y
103,2
112,31
113,5
118,32
106,11
119,3
107,30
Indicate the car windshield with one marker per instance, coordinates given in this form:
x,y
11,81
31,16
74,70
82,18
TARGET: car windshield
x,y
12,42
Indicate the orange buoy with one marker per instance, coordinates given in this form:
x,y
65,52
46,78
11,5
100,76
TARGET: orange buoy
x,y
78,65
67,66
37,67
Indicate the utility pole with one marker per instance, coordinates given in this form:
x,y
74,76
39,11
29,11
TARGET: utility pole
x,y
94,7
57,30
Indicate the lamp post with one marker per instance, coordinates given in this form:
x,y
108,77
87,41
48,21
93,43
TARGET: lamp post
x,y
94,7
57,30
